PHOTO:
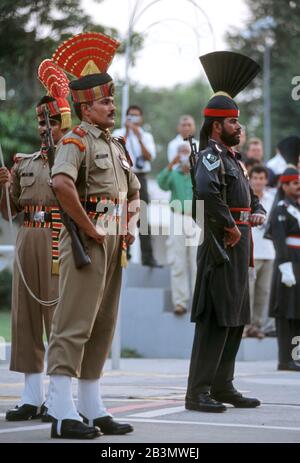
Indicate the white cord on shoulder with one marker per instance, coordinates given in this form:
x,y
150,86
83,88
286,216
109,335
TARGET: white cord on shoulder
x,y
37,299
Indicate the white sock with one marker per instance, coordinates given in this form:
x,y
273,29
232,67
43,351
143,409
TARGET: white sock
x,y
90,402
60,400
33,393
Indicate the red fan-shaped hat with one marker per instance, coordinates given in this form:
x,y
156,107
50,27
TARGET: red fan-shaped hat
x,y
87,56
57,85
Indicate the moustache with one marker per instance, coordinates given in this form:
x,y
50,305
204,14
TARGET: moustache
x,y
111,114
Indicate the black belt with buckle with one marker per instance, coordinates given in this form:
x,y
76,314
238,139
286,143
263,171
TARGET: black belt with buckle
x,y
38,217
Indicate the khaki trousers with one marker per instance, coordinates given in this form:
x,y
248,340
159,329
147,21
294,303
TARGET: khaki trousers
x,y
259,290
184,265
29,318
85,317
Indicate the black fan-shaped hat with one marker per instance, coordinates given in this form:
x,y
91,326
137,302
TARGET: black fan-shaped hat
x,y
228,71
289,148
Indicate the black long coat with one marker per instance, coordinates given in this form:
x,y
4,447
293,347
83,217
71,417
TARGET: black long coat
x,y
223,287
285,301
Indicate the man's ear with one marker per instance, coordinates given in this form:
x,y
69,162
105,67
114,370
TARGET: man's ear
x,y
217,126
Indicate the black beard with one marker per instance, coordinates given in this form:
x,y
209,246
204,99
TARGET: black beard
x,y
230,140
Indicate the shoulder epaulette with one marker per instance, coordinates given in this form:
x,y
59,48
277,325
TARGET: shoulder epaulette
x,y
74,141
210,159
282,203
79,131
21,156
122,142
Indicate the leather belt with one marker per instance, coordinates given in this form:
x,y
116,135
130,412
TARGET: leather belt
x,y
241,215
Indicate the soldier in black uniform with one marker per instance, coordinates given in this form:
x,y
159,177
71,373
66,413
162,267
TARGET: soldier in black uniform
x,y
284,230
221,298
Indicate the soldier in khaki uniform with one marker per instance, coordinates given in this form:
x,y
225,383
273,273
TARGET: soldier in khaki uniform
x,y
36,249
84,321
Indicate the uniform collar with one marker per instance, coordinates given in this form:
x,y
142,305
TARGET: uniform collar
x,y
96,131
221,148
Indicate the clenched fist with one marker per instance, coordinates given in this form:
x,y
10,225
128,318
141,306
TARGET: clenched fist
x,y
5,176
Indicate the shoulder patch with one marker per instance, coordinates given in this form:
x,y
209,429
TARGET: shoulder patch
x,y
79,131
282,203
211,161
122,141
20,156
74,141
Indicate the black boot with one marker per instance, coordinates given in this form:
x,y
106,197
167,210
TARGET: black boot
x,y
109,426
74,429
203,402
23,413
236,399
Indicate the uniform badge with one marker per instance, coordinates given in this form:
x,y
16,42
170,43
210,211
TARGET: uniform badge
x,y
124,163
281,218
211,161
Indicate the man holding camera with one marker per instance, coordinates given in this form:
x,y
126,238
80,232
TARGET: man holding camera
x,y
141,147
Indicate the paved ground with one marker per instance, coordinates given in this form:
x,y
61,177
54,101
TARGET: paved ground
x,y
150,395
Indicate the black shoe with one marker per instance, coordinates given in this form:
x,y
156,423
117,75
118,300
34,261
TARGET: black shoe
x,y
45,417
151,262
271,334
236,399
23,413
203,402
109,426
289,366
74,429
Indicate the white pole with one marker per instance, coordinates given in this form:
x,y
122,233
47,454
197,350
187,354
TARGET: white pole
x,y
126,86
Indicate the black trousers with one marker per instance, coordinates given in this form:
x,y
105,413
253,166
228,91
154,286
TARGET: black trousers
x,y
213,356
145,239
286,329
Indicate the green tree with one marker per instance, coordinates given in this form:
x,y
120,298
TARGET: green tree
x,y
30,30
280,22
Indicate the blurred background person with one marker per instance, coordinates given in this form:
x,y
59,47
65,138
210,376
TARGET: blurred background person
x,y
284,230
176,178
255,150
186,127
264,253
141,147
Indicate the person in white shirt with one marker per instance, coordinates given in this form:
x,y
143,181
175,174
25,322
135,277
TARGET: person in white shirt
x,y
186,127
264,254
141,147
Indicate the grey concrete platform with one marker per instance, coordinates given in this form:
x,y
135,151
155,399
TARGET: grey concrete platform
x,y
149,393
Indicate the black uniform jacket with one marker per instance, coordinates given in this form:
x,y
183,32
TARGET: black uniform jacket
x,y
223,287
285,224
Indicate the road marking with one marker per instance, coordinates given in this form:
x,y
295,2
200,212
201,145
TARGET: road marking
x,y
160,412
25,428
207,423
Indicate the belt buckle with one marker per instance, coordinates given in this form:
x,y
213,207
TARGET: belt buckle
x,y
39,217
244,216
118,210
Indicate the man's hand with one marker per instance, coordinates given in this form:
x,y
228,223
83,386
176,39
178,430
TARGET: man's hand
x,y
232,236
176,160
5,176
257,219
129,239
96,233
135,128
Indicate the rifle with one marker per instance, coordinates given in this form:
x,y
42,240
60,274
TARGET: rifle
x,y
218,252
81,258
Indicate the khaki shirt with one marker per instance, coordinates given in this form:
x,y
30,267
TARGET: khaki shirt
x,y
31,181
109,174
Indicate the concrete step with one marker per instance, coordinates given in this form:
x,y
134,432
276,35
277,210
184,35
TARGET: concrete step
x,y
140,276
